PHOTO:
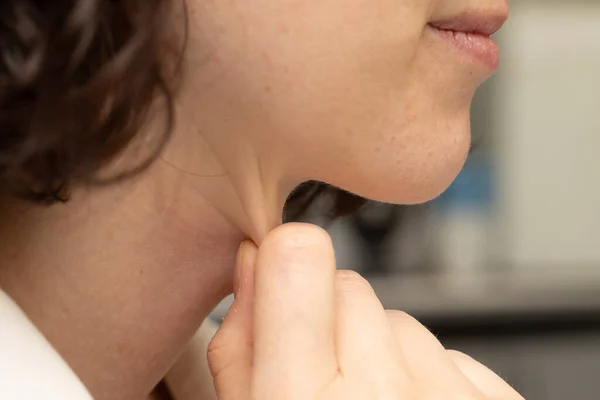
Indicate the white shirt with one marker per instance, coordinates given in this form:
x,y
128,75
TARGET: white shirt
x,y
30,369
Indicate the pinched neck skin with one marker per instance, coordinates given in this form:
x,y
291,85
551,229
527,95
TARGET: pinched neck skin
x,y
119,279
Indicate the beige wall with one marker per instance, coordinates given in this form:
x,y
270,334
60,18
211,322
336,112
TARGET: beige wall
x,y
547,131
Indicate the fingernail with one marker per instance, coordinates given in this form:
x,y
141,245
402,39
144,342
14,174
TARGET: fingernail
x,y
239,262
244,274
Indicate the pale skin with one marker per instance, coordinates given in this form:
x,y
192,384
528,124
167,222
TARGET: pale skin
x,y
355,93
300,329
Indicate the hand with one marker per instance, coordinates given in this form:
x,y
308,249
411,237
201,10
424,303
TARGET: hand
x,y
300,330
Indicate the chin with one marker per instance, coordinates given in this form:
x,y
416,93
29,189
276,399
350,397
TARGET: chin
x,y
407,190
415,178
424,190
415,192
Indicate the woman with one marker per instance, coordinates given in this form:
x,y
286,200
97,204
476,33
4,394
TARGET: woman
x,y
371,97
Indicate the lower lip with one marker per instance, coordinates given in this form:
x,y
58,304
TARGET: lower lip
x,y
480,47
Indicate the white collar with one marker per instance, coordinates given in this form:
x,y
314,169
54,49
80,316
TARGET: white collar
x,y
30,369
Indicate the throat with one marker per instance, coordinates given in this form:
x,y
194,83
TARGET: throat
x,y
117,290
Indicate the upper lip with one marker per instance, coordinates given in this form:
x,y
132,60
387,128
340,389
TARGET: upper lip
x,y
482,24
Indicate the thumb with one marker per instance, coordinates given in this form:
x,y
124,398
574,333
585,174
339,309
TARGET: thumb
x,y
230,352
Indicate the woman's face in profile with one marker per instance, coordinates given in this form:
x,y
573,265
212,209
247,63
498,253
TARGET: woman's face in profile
x,y
366,95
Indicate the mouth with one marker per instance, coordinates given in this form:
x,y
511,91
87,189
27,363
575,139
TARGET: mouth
x,y
471,35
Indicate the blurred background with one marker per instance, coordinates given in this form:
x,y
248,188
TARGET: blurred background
x,y
506,265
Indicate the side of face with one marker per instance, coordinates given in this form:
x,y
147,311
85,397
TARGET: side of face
x,y
355,93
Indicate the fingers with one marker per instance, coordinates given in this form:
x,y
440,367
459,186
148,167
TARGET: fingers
x,y
294,308
230,352
365,340
296,323
483,378
425,356
416,341
187,378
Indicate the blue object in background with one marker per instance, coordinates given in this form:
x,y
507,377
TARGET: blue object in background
x,y
473,187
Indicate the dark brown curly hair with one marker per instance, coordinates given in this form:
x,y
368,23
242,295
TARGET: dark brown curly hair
x,y
77,80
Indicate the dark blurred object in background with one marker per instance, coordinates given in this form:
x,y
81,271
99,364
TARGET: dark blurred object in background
x,y
375,225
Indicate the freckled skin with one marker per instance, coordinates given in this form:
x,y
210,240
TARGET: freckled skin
x,y
356,93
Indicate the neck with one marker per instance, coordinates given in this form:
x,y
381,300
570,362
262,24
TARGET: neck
x,y
120,278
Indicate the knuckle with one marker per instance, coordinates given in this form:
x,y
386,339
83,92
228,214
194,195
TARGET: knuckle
x,y
216,355
459,355
400,317
214,350
214,346
352,281
406,321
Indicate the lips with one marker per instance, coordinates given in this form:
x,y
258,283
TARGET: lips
x,y
484,25
471,34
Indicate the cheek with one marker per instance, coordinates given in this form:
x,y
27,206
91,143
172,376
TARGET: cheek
x,y
339,92
317,56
